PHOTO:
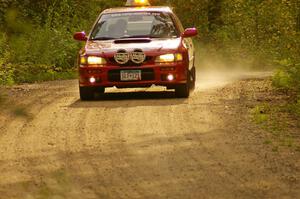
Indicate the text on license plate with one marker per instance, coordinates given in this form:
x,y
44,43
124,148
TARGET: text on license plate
x,y
131,75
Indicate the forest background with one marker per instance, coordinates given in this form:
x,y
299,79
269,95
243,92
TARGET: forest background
x,y
36,41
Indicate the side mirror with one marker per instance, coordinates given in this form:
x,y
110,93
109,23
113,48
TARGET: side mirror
x,y
190,32
80,36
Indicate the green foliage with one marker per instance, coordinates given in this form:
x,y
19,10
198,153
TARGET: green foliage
x,y
36,36
45,75
37,43
288,76
282,79
261,114
6,68
294,108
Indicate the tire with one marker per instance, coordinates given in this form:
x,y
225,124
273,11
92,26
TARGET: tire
x,y
182,90
86,93
100,90
192,78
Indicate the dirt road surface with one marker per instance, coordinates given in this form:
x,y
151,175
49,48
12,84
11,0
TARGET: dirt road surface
x,y
142,144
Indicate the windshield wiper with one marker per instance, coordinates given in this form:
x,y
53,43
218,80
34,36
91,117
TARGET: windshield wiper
x,y
103,38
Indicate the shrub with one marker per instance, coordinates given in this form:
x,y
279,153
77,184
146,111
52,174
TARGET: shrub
x,y
282,79
38,34
6,68
288,76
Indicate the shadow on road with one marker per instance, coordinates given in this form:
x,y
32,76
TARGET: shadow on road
x,y
131,99
136,95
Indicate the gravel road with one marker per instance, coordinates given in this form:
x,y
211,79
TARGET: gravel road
x,y
141,143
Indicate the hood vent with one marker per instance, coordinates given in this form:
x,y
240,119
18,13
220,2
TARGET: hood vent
x,y
128,41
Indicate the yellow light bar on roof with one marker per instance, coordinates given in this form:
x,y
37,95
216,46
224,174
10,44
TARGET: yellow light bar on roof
x,y
136,3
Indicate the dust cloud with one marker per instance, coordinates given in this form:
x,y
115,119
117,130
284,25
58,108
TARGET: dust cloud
x,y
213,72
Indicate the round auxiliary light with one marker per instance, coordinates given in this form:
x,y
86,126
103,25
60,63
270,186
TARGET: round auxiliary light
x,y
138,56
134,3
122,56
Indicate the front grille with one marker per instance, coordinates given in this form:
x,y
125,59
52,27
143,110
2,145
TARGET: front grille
x,y
112,61
147,75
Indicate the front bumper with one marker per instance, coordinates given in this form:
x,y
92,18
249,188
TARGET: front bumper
x,y
109,76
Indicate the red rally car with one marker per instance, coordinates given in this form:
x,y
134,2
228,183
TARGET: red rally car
x,y
137,46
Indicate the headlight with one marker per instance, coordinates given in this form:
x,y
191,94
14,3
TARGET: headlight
x,y
169,58
96,60
92,60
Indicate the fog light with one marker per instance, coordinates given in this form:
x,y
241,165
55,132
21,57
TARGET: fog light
x,y
170,77
92,80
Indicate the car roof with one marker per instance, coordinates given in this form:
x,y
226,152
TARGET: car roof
x,y
138,9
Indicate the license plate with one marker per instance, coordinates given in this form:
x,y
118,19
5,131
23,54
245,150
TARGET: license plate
x,y
131,75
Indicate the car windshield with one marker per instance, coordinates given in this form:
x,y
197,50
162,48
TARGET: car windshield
x,y
134,25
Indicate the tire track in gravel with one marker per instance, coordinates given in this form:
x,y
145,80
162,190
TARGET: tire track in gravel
x,y
136,145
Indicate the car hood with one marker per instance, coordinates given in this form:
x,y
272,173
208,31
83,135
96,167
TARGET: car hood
x,y
147,45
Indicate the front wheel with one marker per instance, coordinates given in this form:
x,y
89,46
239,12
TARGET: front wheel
x,y
182,90
192,78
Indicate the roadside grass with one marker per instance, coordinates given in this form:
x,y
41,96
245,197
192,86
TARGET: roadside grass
x,y
294,108
10,107
280,121
47,76
280,113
